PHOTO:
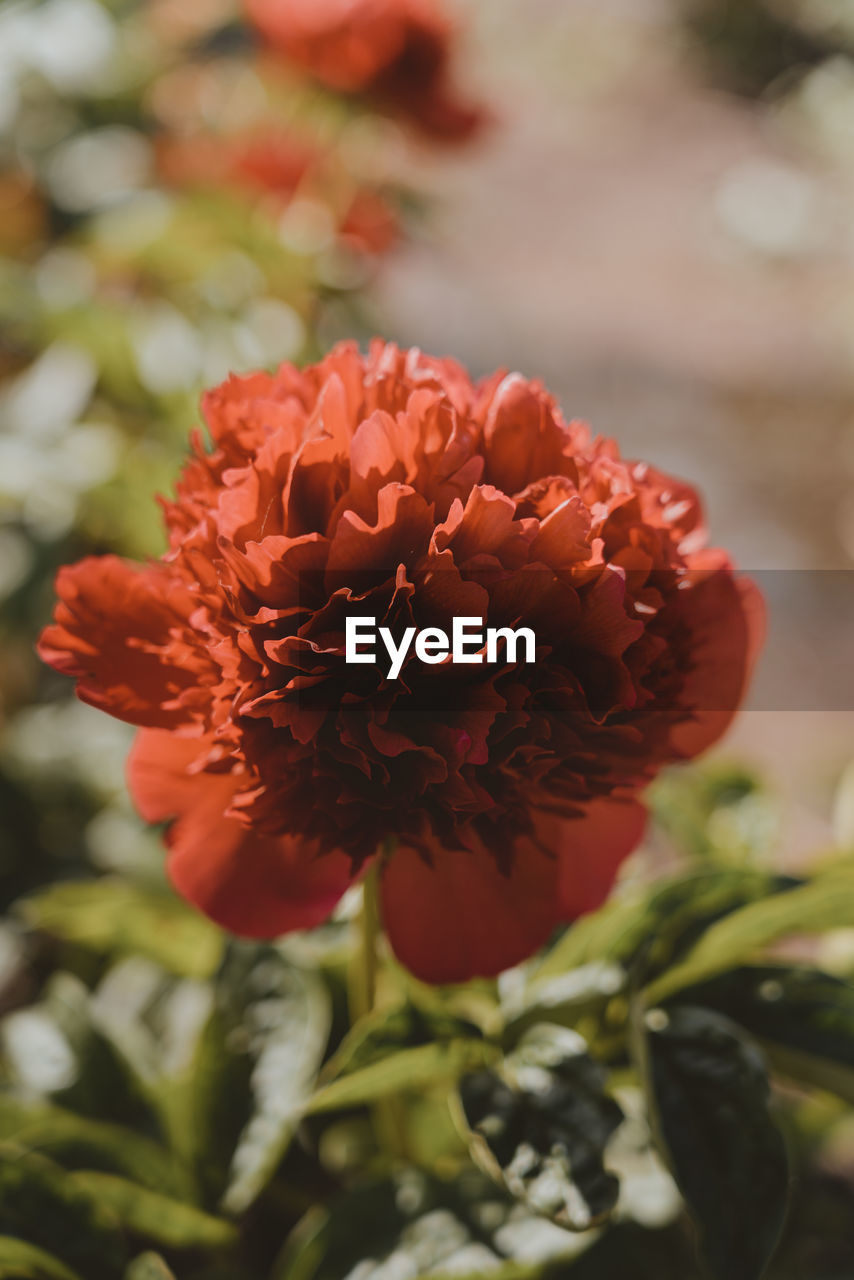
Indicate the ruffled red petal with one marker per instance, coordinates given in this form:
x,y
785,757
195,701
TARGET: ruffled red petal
x,y
116,627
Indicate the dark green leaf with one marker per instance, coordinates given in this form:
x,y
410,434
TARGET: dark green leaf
x,y
80,1142
118,917
542,1125
709,1096
647,932
804,1018
285,1013
823,903
155,1217
41,1203
22,1261
627,1251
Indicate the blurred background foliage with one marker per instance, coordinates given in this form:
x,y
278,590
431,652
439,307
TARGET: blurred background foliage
x,y
175,205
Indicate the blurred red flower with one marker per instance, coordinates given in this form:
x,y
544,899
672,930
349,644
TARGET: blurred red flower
x,y
273,166
392,486
276,164
396,52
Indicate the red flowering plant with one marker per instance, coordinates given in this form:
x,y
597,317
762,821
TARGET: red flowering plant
x,y
395,53
246,1075
495,801
306,725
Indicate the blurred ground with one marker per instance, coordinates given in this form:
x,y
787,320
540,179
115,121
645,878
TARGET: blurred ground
x,y
677,264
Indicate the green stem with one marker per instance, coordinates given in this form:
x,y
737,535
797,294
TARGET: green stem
x,y
363,980
388,1114
370,936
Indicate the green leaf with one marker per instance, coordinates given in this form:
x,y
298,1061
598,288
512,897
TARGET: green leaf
x,y
154,1023
627,1251
804,1019
208,1105
114,916
565,1000
148,1266
22,1261
56,1050
80,1142
43,1204
542,1125
388,1031
286,1014
408,1069
648,931
709,1097
823,903
155,1217
603,935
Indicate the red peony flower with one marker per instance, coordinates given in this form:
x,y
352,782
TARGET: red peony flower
x,y
391,486
395,51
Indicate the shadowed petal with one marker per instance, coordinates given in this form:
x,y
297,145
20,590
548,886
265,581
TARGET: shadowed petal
x,y
254,885
591,850
457,916
726,621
